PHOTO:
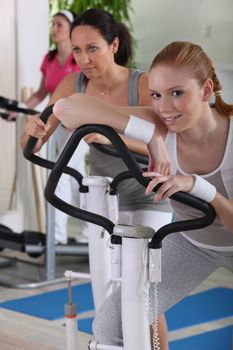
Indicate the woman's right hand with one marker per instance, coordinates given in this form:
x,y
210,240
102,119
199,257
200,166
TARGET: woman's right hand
x,y
159,158
36,127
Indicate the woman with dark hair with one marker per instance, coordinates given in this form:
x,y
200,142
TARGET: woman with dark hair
x,y
102,48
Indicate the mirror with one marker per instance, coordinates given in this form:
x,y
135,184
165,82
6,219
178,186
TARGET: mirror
x,y
7,89
8,169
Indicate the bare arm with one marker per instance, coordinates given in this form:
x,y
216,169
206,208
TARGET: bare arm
x,y
35,127
172,184
224,210
38,96
143,91
80,109
144,101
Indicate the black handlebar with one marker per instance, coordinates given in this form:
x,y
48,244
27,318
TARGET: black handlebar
x,y
113,152
48,164
185,198
33,140
12,105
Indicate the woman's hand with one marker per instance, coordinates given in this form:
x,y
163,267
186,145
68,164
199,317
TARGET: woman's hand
x,y
12,116
36,127
159,158
97,138
170,184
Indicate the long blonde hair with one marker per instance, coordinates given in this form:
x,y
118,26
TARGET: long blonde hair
x,y
191,56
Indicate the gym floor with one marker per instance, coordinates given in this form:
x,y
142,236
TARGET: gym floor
x,y
22,332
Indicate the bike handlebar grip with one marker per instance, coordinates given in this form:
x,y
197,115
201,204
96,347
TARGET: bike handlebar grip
x,y
28,150
7,102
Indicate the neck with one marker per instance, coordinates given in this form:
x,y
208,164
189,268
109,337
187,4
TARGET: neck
x,y
204,127
64,48
109,81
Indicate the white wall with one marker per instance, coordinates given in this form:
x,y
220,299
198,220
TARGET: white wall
x,y
207,22
29,42
7,89
32,44
32,40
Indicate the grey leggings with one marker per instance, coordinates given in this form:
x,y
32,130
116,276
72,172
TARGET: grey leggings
x,y
184,267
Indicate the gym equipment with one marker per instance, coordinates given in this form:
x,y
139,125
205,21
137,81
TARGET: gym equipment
x,y
13,240
139,259
32,242
71,318
13,106
89,196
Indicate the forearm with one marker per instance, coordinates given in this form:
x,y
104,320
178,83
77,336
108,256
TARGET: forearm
x,y
79,109
35,99
36,128
224,210
135,146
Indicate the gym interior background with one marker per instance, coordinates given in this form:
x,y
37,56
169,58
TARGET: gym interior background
x,y
24,39
23,42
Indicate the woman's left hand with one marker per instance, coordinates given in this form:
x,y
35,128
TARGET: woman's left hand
x,y
170,184
97,138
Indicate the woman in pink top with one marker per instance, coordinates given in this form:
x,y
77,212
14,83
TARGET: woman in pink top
x,y
57,63
55,66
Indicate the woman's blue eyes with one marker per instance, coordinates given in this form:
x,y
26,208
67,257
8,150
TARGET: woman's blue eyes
x,y
175,93
75,50
90,49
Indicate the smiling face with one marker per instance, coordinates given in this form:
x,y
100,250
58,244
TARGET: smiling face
x,y
91,51
177,98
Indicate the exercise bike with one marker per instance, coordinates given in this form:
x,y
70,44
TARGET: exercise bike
x,y
31,242
132,241
19,241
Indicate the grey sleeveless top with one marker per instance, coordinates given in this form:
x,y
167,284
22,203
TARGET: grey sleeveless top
x,y
131,193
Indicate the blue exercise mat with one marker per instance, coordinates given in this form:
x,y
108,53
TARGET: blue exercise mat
x,y
50,305
85,325
207,306
220,339
210,305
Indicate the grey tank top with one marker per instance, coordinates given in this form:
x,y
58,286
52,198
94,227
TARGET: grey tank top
x,y
131,193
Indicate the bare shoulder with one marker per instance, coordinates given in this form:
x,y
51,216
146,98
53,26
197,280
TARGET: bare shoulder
x,y
65,88
143,90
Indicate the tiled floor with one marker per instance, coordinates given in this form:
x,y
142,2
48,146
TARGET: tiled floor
x,y
24,332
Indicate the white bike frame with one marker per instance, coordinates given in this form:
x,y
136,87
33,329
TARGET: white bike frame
x,y
127,263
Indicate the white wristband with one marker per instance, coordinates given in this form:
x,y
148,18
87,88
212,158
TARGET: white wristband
x,y
139,129
203,189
